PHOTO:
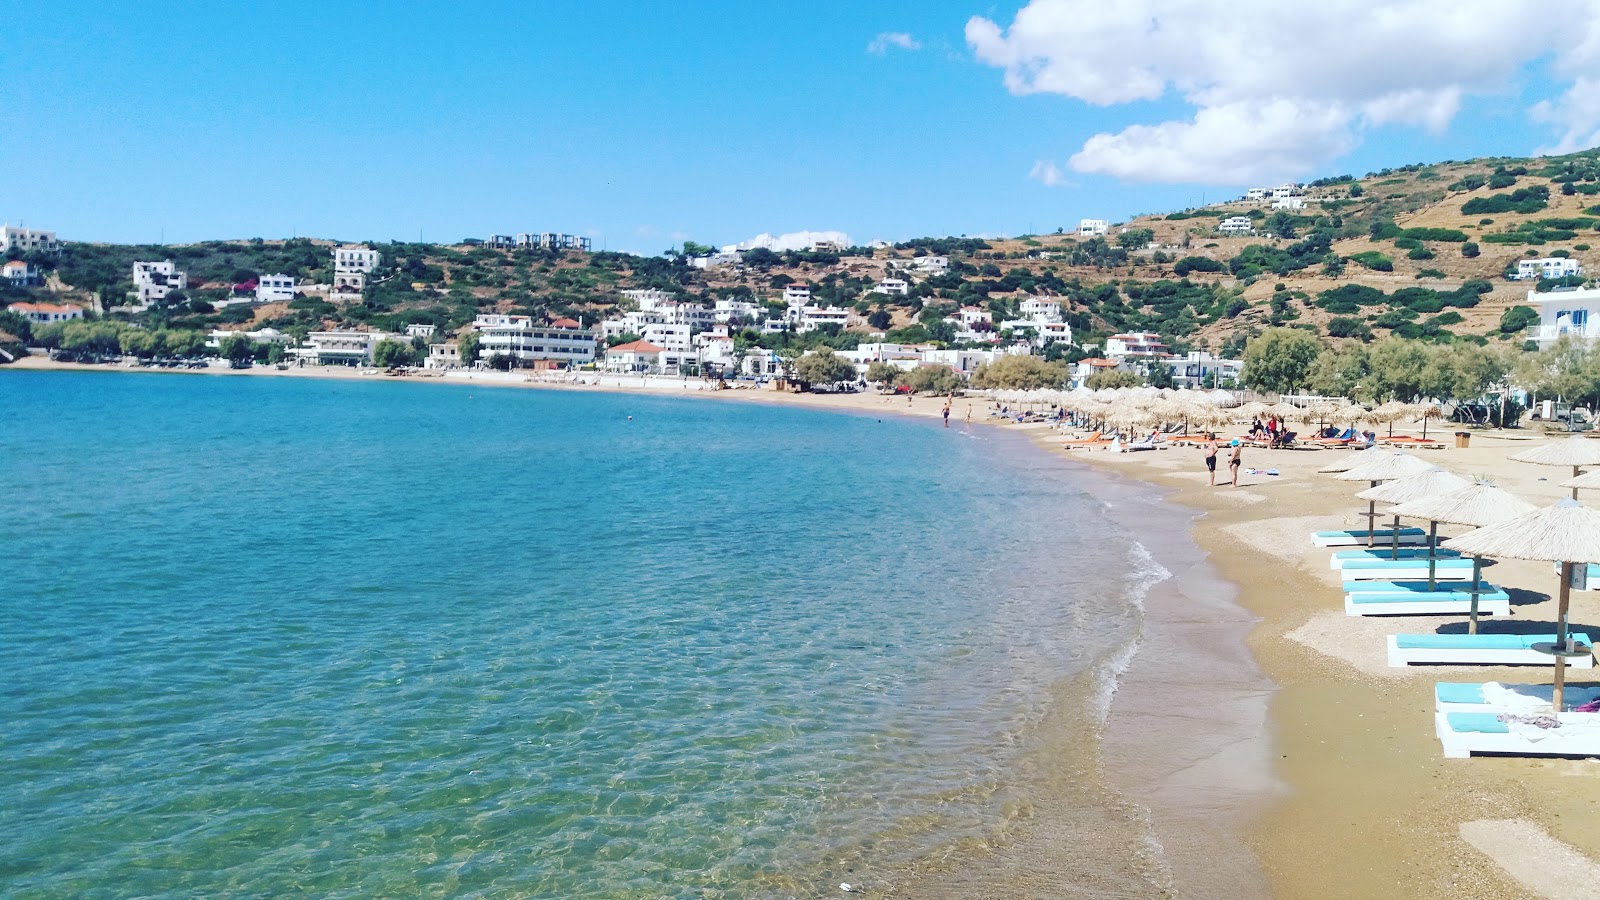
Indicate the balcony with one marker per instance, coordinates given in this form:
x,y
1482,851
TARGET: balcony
x,y
1546,334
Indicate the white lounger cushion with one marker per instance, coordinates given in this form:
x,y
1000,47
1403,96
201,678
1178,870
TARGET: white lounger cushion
x,y
1479,649
1462,734
1358,537
1499,696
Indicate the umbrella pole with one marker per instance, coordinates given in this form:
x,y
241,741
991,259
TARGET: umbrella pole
x,y
1561,633
1372,519
1575,471
1433,552
1472,618
1394,541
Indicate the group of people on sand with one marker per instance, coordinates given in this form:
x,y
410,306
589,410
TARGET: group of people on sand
x,y
1210,447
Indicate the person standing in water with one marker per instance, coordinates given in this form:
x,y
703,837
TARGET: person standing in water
x,y
947,401
1210,447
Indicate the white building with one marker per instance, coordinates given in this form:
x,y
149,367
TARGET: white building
x,y
421,330
445,355
1256,194
17,273
1549,267
814,317
648,298
728,310
274,288
46,313
932,265
499,242
731,257
533,345
797,294
550,240
1287,190
1136,343
1289,203
355,258
261,336
27,240
1236,225
893,287
962,362
1194,370
1041,309
1570,311
1093,227
341,348
152,281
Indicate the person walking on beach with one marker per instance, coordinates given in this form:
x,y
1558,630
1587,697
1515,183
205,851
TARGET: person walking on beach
x,y
947,401
1233,461
1211,456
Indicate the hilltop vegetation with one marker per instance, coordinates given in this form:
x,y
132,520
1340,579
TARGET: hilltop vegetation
x,y
1418,252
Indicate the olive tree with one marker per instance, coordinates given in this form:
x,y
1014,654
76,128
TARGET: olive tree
x,y
1279,359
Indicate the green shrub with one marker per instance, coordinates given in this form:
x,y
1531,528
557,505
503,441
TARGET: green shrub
x,y
1469,250
1518,318
1407,243
1523,200
1430,273
1446,235
1420,253
1469,183
1373,260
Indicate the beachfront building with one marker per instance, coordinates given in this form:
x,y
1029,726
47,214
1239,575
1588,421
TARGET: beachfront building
x,y
1199,368
1145,344
18,273
27,240
634,356
1564,312
1084,368
444,355
533,346
355,258
274,288
340,348
153,281
1236,225
260,336
1549,267
962,362
46,313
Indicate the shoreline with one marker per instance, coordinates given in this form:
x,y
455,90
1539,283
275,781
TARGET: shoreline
x,y
1369,805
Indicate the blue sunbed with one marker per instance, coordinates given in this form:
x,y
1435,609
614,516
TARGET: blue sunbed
x,y
1358,537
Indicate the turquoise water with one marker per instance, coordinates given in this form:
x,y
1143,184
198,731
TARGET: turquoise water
x,y
265,636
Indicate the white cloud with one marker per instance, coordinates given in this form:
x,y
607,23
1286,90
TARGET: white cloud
x,y
1277,89
1047,173
1576,113
890,39
794,240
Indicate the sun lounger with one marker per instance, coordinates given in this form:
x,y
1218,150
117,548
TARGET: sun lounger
x,y
1358,537
1340,557
1412,598
1462,734
1479,650
1404,569
1080,442
1500,696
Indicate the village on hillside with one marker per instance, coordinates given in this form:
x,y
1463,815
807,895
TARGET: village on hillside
x,y
1483,252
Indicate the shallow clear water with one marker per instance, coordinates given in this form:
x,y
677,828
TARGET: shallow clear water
x,y
268,636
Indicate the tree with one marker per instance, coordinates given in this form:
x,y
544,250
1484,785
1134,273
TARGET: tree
x,y
1518,318
237,348
468,345
1355,191
138,342
1023,373
823,366
1469,249
1333,265
1337,373
882,373
390,353
1112,378
1135,238
1279,359
931,380
880,319
1280,224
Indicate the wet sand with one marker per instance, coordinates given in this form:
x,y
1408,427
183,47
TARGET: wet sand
x,y
1342,789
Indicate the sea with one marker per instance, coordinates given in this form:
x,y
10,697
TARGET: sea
x,y
346,638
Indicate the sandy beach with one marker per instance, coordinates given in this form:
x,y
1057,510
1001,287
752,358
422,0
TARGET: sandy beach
x,y
1343,790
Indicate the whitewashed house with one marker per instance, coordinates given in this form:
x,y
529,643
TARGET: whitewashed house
x,y
1093,227
27,240
797,294
1135,343
562,343
1570,311
277,288
341,348
893,287
1549,267
1194,369
1236,225
932,265
153,281
17,273
46,313
420,329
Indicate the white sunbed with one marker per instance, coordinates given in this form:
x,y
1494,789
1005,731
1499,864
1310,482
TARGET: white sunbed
x,y
1412,598
1499,696
1358,537
1405,569
1462,734
1480,649
1340,558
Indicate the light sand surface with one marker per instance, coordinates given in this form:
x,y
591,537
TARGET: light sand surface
x,y
1372,808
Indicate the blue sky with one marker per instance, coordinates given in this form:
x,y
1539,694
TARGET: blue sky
x,y
644,124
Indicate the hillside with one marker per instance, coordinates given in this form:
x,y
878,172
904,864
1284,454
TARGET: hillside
x,y
1419,251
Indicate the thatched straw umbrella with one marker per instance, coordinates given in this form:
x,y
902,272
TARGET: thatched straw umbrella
x,y
1251,410
1477,505
1428,483
1587,481
1350,460
1390,412
1426,411
1384,466
1575,451
1566,533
